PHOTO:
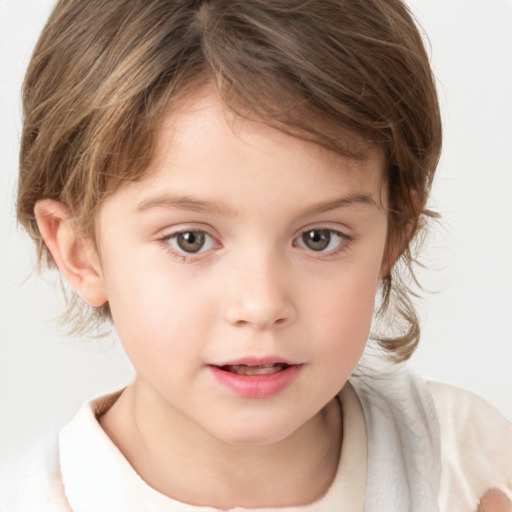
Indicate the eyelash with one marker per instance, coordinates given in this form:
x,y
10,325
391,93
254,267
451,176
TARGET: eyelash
x,y
181,254
343,244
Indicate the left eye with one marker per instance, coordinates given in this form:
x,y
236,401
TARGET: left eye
x,y
191,242
320,240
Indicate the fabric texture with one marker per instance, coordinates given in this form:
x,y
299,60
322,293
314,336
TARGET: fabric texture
x,y
408,446
404,456
476,449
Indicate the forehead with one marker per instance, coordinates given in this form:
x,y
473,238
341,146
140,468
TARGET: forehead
x,y
203,147
204,123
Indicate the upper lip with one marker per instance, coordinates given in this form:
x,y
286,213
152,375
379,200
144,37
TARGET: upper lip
x,y
256,361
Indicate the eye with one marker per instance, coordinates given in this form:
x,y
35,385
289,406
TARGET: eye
x,y
320,240
190,242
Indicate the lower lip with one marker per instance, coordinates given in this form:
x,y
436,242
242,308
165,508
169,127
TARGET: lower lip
x,y
257,386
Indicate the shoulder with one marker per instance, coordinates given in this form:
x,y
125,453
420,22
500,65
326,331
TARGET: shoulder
x,y
467,421
467,404
476,449
33,482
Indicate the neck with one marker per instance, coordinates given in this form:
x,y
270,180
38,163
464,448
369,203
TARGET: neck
x,y
172,454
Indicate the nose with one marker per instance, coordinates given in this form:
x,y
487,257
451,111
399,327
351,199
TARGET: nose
x,y
260,295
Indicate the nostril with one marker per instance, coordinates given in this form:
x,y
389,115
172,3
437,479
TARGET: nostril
x,y
259,310
261,323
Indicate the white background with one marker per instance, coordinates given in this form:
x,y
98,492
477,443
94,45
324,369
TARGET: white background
x,y
467,340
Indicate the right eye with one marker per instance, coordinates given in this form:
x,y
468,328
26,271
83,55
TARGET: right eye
x,y
190,241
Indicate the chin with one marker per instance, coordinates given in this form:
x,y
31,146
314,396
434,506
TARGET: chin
x,y
255,433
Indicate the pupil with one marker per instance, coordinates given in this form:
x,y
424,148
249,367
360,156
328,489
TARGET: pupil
x,y
317,239
191,241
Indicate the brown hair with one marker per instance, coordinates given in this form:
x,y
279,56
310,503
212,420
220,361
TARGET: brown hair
x,y
337,72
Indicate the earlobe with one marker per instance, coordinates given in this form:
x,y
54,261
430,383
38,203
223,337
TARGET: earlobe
x,y
74,255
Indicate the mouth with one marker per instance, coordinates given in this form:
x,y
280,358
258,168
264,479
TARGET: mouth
x,y
256,377
254,369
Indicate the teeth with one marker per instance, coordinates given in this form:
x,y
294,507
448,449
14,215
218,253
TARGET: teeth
x,y
258,369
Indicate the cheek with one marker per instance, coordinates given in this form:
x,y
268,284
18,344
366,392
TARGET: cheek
x,y
345,315
156,311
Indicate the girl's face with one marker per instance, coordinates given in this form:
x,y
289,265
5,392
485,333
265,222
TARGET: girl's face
x,y
241,272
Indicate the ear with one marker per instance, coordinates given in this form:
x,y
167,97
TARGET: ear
x,y
75,255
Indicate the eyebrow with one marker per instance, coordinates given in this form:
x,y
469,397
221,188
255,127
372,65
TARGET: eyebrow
x,y
342,202
188,203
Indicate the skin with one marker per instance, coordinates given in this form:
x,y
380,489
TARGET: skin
x,y
254,289
494,501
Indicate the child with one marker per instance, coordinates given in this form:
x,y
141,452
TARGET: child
x,y
232,184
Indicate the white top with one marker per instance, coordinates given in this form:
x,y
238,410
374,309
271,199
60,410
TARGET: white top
x,y
406,444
